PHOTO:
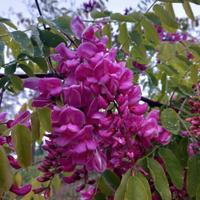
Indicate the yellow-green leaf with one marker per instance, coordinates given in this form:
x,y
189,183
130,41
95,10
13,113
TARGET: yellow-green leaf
x,y
22,138
136,189
108,182
44,115
188,9
159,179
198,193
173,167
123,37
170,120
96,14
193,175
35,126
165,17
17,179
170,10
146,184
120,192
5,172
149,31
17,83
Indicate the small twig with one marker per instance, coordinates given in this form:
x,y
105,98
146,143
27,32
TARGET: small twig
x,y
182,105
171,98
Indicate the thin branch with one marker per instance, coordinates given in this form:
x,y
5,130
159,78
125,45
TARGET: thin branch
x,y
69,38
25,76
153,103
40,12
48,58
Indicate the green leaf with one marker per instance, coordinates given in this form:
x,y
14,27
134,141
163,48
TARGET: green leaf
x,y
37,43
123,37
2,129
107,31
108,182
166,51
44,115
136,37
35,126
10,69
26,69
195,1
194,74
8,22
26,46
173,167
193,175
181,151
5,172
180,1
136,189
198,193
3,81
22,139
17,83
96,14
169,70
164,84
152,77
99,196
50,39
188,9
8,39
146,184
41,62
179,65
149,31
170,10
159,179
56,182
195,49
139,54
120,192
165,17
63,23
122,18
170,120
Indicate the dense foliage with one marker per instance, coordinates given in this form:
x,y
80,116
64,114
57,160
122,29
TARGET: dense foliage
x,y
116,106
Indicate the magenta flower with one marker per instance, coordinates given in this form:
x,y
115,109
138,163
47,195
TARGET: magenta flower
x,y
77,27
21,191
13,162
22,118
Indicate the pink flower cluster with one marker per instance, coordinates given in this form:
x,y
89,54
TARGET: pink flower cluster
x,y
173,37
99,122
